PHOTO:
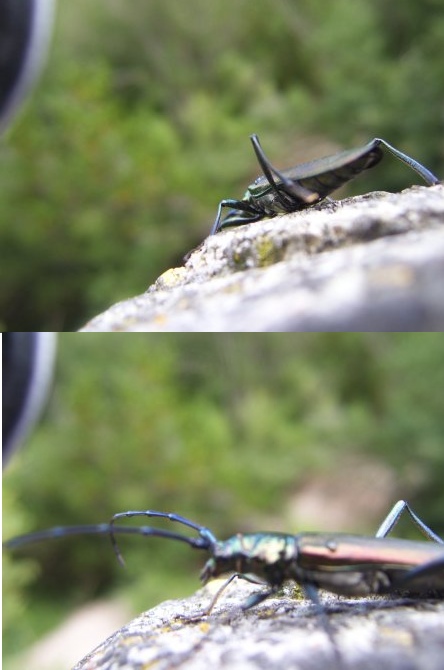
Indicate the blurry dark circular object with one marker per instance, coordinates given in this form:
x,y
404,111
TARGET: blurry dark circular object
x,y
25,30
28,364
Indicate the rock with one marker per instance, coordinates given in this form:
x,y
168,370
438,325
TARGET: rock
x,y
281,632
373,262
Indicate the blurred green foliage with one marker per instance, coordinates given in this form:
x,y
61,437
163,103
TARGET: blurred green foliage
x,y
225,429
141,122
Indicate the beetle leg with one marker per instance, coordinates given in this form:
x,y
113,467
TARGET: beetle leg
x,y
425,579
428,176
257,598
223,203
237,205
252,600
311,593
393,517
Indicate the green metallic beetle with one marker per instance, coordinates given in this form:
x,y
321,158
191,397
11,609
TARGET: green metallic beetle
x,y
306,184
344,564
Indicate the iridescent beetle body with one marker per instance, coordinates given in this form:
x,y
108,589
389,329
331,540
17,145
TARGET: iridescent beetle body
x,y
348,565
278,192
343,564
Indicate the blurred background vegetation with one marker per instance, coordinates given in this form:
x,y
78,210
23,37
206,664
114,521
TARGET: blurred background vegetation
x,y
238,432
140,127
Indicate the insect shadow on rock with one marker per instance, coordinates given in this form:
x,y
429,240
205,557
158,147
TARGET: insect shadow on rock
x,y
278,192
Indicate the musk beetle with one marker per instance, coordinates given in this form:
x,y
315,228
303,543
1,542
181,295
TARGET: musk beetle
x,y
350,565
279,192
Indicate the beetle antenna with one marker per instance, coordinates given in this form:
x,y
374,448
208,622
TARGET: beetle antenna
x,y
206,539
95,529
292,187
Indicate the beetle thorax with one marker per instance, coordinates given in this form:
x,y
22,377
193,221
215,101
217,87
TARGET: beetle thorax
x,y
266,555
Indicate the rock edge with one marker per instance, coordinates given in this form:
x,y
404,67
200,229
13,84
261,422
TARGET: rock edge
x,y
374,262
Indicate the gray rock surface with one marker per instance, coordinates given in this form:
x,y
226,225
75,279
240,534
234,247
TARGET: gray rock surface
x,y
374,262
382,633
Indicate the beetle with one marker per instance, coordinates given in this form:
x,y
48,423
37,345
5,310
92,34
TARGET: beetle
x,y
278,192
343,564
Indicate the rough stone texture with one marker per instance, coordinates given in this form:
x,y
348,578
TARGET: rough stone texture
x,y
374,262
397,634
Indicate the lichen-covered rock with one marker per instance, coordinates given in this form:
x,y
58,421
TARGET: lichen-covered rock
x,y
280,633
374,262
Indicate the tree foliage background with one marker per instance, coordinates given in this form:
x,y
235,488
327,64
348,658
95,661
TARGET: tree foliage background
x,y
234,431
140,127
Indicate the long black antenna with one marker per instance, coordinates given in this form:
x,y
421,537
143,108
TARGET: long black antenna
x,y
293,187
206,539
62,531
